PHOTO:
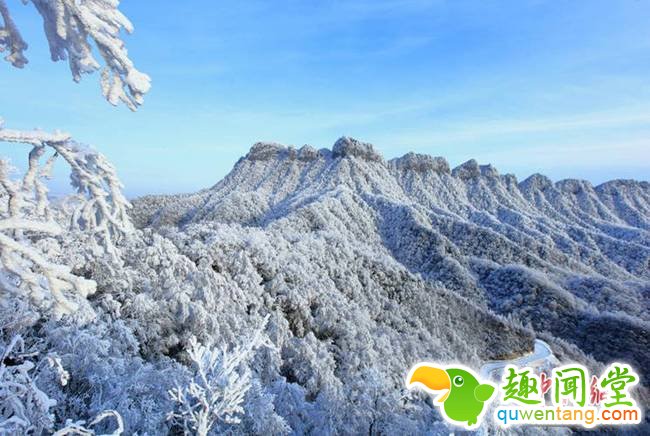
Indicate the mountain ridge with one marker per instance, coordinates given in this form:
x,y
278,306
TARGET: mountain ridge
x,y
535,187
347,147
609,198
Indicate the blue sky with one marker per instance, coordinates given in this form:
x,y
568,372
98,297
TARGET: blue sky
x,y
560,88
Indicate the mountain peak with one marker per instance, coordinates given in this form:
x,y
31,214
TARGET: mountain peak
x,y
471,170
574,186
308,153
347,146
467,170
536,182
344,147
267,151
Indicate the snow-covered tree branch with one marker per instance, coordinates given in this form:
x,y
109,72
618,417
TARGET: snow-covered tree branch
x,y
10,39
71,28
25,216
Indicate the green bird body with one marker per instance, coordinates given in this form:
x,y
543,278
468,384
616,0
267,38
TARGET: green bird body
x,y
465,402
465,398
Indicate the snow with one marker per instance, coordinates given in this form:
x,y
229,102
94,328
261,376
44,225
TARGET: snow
x,y
294,295
347,229
540,359
356,267
346,146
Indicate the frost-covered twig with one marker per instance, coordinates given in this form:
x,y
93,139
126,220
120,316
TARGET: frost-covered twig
x,y
79,427
71,27
221,381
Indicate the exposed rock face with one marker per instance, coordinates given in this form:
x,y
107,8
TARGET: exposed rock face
x,y
420,163
267,151
407,243
345,147
308,153
536,182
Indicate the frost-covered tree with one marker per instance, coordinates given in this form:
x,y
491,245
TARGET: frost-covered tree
x,y
25,217
219,386
47,252
72,28
23,406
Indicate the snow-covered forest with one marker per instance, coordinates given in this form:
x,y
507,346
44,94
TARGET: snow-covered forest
x,y
293,296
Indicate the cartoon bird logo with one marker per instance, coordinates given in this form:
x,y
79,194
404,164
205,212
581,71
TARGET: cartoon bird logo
x,y
465,397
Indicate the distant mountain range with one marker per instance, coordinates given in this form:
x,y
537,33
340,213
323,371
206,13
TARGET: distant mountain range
x,y
375,265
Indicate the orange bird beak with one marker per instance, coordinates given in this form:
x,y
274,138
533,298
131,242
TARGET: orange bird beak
x,y
432,379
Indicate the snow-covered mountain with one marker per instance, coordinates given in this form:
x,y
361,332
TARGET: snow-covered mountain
x,y
294,296
368,266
